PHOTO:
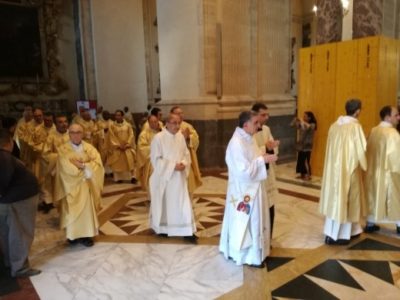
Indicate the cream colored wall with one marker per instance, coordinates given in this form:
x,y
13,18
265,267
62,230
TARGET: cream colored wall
x,y
179,35
67,54
119,54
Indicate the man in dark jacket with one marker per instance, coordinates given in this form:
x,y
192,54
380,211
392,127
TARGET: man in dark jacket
x,y
18,201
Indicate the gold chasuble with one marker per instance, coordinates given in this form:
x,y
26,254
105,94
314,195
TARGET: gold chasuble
x,y
383,174
342,190
23,134
103,126
147,126
122,153
194,179
50,156
143,164
79,191
36,142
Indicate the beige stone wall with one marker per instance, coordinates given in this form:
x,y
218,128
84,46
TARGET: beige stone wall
x,y
119,51
245,57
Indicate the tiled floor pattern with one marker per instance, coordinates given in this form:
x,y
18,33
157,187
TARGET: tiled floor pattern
x,y
129,262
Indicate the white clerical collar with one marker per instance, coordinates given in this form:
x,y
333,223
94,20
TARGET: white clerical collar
x,y
346,120
77,148
385,124
243,134
170,133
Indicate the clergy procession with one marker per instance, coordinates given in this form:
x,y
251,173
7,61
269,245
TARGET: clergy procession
x,y
51,163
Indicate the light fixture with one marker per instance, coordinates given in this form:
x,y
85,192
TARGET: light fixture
x,y
315,9
345,6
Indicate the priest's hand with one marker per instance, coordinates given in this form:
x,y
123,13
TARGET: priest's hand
x,y
77,163
186,133
180,167
272,144
270,158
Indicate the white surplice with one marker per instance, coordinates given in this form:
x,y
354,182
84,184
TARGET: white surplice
x,y
170,209
245,235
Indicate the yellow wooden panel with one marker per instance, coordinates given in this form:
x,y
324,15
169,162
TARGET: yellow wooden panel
x,y
388,72
331,74
366,81
346,75
306,79
324,105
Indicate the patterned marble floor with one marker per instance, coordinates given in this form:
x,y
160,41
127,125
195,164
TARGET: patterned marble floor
x,y
130,262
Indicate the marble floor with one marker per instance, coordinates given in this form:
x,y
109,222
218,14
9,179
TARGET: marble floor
x,y
129,261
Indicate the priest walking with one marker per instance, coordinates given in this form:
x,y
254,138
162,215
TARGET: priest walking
x,y
245,235
80,176
171,209
342,191
382,179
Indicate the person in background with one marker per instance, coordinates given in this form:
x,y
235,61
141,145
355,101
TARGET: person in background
x,y
192,142
267,144
306,128
121,149
143,164
155,111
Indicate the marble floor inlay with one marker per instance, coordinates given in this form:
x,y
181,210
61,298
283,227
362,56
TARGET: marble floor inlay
x,y
128,261
136,271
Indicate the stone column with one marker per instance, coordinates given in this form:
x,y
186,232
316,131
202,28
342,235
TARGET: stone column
x,y
367,18
329,21
87,53
347,24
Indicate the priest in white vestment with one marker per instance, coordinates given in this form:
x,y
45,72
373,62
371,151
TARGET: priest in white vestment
x,y
342,198
245,235
382,180
171,210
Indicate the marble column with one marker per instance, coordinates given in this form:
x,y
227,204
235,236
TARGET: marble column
x,y
329,21
367,18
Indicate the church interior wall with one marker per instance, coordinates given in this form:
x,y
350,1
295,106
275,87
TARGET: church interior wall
x,y
118,38
16,93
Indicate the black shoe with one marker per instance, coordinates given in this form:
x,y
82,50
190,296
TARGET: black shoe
x,y
87,242
41,206
133,180
192,239
331,241
162,235
260,266
370,228
398,229
27,272
73,242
